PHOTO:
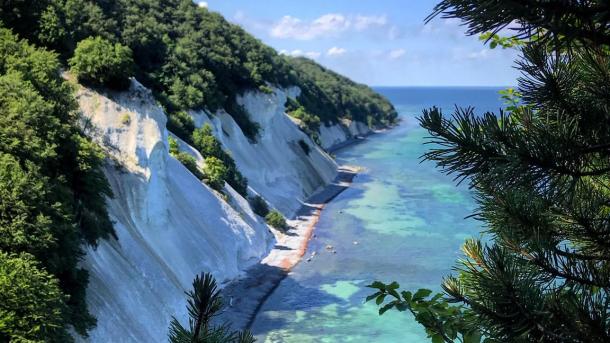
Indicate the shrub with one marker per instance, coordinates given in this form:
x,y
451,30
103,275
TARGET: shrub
x,y
190,163
174,148
277,220
99,62
181,124
205,142
215,173
309,123
259,205
305,147
125,119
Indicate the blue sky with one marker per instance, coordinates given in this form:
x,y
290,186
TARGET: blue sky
x,y
377,42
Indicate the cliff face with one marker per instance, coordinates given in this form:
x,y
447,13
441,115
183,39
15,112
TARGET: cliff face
x,y
277,167
170,226
336,134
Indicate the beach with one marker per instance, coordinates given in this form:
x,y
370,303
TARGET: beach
x,y
244,296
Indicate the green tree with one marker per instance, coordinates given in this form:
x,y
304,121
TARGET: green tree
x,y
540,175
53,189
259,206
215,173
33,305
99,62
207,144
277,220
204,302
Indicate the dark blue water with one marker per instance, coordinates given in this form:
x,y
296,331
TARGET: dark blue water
x,y
402,220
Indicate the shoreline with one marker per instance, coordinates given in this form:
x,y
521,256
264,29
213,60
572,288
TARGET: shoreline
x,y
246,295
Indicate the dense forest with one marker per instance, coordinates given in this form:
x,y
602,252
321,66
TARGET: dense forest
x,y
193,58
52,198
52,188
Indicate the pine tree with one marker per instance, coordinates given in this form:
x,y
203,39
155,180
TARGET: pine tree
x,y
204,303
540,172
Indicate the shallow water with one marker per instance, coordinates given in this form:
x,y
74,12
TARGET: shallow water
x,y
401,220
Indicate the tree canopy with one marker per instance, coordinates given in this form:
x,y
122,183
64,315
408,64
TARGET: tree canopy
x,y
52,192
193,58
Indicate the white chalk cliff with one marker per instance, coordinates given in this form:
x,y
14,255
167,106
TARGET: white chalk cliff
x,y
336,134
170,226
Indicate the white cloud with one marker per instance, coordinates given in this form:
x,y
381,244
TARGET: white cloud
x,y
203,4
396,54
362,23
336,51
479,55
395,33
328,25
297,53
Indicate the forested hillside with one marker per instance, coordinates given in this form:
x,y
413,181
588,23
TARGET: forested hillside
x,y
193,58
52,198
52,189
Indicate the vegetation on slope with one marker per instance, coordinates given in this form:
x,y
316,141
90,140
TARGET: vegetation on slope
x,y
189,57
192,58
540,173
52,197
331,97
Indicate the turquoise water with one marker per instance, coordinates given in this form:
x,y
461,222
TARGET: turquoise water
x,y
402,220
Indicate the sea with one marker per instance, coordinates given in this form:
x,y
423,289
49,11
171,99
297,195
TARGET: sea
x,y
401,220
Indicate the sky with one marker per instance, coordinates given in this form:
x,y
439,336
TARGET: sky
x,y
376,42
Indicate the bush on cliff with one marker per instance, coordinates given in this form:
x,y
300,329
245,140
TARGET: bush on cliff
x,y
259,206
215,173
98,62
277,220
205,142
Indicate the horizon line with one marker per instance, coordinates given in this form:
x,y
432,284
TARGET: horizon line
x,y
441,86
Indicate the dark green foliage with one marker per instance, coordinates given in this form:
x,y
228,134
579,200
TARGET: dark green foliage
x,y
259,206
433,312
192,58
182,125
215,173
53,190
190,163
205,142
33,305
330,96
585,21
540,173
185,158
310,124
174,147
98,62
204,303
306,148
277,220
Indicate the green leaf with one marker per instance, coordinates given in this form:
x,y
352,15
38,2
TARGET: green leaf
x,y
380,299
379,285
373,296
421,294
472,337
393,285
437,339
385,308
